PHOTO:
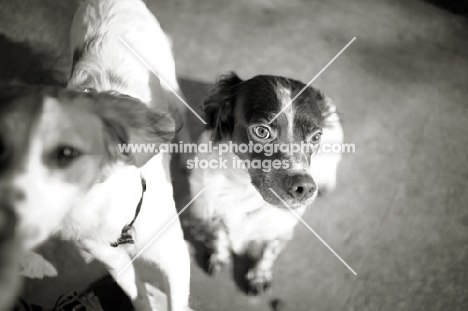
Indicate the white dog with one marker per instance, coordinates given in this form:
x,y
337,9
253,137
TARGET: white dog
x,y
54,145
120,217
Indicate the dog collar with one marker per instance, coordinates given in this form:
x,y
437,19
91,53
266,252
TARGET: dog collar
x,y
126,235
90,90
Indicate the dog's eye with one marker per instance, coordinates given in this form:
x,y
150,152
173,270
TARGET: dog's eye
x,y
262,132
316,138
63,156
89,90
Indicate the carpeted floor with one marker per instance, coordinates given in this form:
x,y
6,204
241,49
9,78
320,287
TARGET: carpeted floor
x,y
399,215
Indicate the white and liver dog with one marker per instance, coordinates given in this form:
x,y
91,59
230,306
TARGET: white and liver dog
x,y
239,211
101,62
55,144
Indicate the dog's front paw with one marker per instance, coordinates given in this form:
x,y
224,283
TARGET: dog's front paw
x,y
35,266
258,281
216,263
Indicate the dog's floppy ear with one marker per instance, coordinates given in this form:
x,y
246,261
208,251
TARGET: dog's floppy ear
x,y
330,117
128,121
219,106
331,124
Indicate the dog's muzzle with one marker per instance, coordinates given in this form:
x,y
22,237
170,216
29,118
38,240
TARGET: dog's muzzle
x,y
300,187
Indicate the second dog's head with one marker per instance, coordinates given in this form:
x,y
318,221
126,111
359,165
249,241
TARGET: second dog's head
x,y
258,111
55,144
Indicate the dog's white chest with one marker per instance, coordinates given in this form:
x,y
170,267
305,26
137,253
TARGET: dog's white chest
x,y
106,208
230,197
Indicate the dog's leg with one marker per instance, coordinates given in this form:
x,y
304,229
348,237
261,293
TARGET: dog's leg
x,y
219,246
115,259
177,279
174,262
260,276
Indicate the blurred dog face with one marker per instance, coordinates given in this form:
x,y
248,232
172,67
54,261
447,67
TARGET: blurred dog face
x,y
54,144
241,111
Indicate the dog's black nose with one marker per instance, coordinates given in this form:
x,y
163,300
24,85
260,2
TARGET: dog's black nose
x,y
301,187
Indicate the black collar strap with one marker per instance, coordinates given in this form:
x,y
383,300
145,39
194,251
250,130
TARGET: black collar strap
x,y
126,236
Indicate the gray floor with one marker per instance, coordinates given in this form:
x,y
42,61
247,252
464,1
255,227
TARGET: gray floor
x,y
399,215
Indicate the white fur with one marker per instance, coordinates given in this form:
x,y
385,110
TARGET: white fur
x,y
284,96
47,196
324,165
40,192
99,219
231,199
229,195
109,206
99,24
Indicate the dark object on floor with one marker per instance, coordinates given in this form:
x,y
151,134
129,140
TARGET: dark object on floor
x,y
23,305
74,302
110,295
103,295
277,305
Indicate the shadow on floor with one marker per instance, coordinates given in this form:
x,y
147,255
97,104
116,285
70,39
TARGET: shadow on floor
x,y
194,92
20,62
454,6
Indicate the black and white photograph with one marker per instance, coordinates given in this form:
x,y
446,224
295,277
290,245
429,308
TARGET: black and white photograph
x,y
233,155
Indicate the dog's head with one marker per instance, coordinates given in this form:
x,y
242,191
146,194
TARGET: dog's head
x,y
244,111
55,144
